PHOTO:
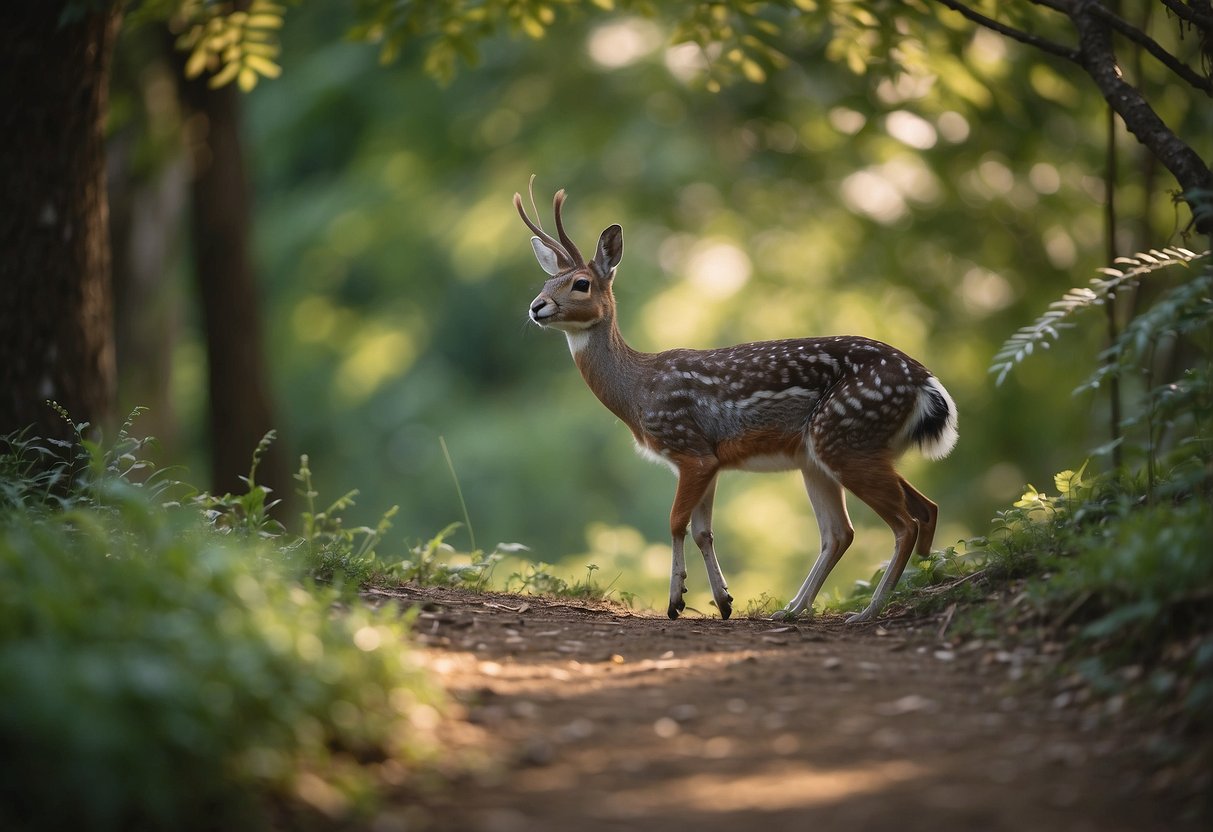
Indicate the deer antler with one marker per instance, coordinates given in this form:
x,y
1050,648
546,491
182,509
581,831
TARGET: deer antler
x,y
569,245
565,249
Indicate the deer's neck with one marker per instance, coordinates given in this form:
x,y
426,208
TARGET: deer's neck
x,y
612,369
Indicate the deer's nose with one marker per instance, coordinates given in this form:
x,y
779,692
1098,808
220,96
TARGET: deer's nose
x,y
537,306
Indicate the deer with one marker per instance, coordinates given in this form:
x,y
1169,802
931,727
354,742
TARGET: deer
x,y
840,410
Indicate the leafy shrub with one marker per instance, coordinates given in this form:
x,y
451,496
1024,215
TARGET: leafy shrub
x,y
160,672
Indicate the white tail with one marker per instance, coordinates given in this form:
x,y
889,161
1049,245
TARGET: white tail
x,y
840,410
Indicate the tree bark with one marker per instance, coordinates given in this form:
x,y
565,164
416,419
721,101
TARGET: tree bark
x,y
56,312
240,410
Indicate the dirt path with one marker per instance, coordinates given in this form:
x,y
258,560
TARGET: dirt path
x,y
594,718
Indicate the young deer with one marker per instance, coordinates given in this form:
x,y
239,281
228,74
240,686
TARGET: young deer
x,y
840,410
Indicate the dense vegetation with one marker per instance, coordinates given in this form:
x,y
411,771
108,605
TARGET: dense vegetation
x,y
167,661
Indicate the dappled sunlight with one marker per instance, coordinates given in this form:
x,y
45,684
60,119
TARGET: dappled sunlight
x,y
1060,246
316,319
681,317
374,358
776,786
717,269
953,127
685,61
1045,178
867,192
911,129
767,519
987,53
984,291
846,121
476,236
883,192
624,42
905,86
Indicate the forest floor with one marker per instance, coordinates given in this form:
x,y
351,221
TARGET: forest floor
x,y
582,716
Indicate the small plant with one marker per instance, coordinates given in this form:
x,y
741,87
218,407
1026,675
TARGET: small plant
x,y
538,579
246,514
762,606
334,552
431,564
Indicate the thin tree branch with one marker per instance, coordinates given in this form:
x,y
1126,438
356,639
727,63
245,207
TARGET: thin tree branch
x,y
1043,44
1099,61
1186,12
1150,45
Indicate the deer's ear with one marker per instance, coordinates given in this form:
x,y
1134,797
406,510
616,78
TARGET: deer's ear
x,y
548,261
610,251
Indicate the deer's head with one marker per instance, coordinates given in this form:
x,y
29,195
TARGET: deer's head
x,y
577,295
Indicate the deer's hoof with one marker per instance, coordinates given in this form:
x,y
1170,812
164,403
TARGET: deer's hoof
x,y
676,608
859,617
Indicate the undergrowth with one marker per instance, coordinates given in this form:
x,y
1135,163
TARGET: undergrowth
x,y
165,663
173,659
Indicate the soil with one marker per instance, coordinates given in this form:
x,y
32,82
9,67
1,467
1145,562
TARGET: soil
x,y
583,716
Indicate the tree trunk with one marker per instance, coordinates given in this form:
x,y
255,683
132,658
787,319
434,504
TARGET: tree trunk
x,y
221,230
56,327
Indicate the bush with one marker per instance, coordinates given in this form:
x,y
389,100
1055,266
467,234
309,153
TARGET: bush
x,y
159,673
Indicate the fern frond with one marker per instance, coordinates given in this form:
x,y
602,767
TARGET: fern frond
x,y
1047,328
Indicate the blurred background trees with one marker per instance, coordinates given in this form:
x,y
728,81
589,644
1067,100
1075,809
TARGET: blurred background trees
x,y
888,169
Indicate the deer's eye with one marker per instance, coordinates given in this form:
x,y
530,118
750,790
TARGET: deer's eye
x,y
581,285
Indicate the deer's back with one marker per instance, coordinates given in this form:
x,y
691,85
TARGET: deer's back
x,y
752,405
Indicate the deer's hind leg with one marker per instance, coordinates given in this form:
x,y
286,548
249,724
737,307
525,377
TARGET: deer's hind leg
x,y
871,478
925,512
834,524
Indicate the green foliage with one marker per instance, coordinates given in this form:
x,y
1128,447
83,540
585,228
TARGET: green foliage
x,y
247,514
333,551
229,42
167,672
1047,328
430,564
38,475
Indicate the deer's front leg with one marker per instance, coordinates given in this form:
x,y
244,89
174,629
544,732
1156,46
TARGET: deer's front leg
x,y
694,477
678,580
701,531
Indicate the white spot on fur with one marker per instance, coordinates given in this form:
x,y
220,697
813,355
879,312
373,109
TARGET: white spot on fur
x,y
772,396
